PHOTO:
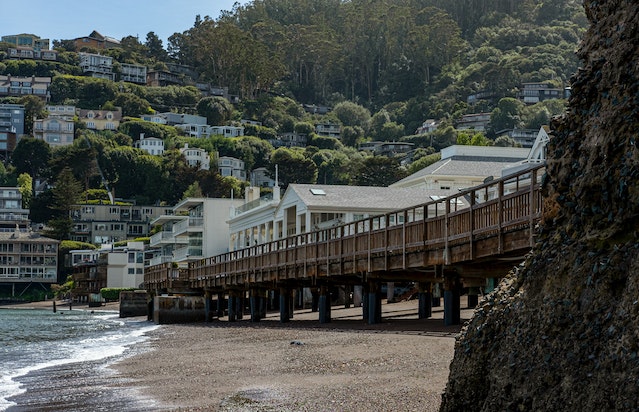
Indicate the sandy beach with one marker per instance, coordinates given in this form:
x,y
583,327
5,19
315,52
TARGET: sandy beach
x,y
346,365
401,364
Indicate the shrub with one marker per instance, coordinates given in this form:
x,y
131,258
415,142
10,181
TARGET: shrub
x,y
112,294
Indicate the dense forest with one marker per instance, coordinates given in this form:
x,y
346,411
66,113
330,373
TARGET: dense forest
x,y
383,67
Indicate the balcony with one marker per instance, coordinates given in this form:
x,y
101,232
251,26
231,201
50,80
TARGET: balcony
x,y
192,224
163,237
158,260
187,253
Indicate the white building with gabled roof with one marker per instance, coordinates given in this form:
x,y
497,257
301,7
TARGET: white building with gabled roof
x,y
308,207
464,166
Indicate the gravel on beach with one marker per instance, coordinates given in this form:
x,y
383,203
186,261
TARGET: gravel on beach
x,y
345,365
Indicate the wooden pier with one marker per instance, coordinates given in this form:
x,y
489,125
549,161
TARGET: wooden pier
x,y
457,242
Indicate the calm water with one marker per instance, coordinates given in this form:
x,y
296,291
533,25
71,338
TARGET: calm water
x,y
59,361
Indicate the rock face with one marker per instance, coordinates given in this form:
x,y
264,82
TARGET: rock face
x,y
562,330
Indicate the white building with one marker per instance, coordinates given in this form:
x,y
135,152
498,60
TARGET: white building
x,y
196,157
230,166
151,145
125,266
57,129
226,131
305,207
463,166
197,229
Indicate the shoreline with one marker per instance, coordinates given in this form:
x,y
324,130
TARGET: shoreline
x,y
302,365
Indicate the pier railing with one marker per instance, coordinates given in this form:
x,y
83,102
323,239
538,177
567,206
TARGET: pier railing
x,y
442,231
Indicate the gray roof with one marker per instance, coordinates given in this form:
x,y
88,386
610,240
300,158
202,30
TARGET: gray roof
x,y
464,166
369,198
26,237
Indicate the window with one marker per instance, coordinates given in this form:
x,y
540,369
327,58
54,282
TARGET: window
x,y
131,257
114,210
88,209
131,271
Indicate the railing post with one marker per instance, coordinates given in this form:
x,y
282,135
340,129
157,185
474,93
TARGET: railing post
x,y
500,218
533,204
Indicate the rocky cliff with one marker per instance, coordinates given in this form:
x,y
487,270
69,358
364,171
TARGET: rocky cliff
x,y
562,330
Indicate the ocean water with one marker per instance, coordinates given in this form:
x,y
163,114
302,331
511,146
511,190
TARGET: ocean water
x,y
60,361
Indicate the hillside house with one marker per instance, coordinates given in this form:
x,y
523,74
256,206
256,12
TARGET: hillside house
x,y
100,119
57,129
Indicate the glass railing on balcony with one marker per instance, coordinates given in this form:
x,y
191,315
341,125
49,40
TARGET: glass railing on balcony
x,y
160,237
186,253
253,204
158,260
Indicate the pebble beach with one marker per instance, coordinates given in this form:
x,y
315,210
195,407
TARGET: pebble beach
x,y
401,364
345,365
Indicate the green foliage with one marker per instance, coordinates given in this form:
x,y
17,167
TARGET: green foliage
x,y
25,185
135,127
31,156
217,110
379,171
113,294
423,162
293,166
68,245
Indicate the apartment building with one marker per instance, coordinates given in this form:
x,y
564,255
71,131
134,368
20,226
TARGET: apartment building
x,y
196,228
58,128
28,257
16,86
132,73
12,213
11,117
106,223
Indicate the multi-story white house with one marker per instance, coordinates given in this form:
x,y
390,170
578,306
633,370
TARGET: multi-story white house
x,y
97,65
133,73
196,157
57,129
151,145
226,131
230,166
197,228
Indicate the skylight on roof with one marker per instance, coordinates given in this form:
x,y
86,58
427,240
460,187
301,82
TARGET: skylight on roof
x,y
318,192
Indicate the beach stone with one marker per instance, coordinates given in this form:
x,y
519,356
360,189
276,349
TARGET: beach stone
x,y
561,331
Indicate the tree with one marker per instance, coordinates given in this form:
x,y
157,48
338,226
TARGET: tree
x,y
67,193
193,190
31,156
154,47
216,109
25,185
33,108
352,114
293,166
506,115
379,171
